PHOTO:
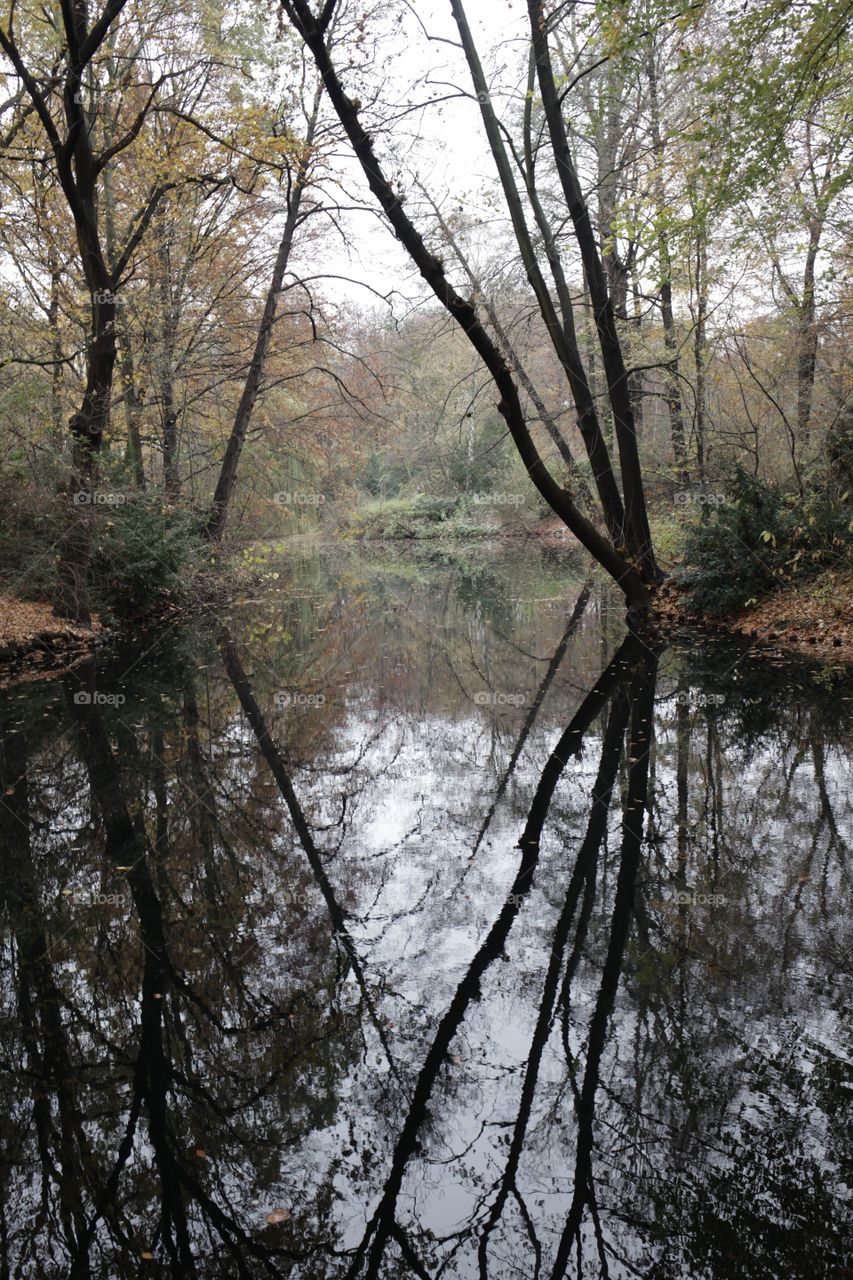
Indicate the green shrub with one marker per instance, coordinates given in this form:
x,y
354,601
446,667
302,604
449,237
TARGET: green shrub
x,y
140,553
764,537
29,531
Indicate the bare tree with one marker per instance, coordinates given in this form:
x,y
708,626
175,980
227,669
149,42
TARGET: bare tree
x,y
633,565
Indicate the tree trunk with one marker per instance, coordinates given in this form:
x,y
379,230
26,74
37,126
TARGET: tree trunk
x,y
671,373
166,362
464,313
132,402
699,352
636,515
132,411
56,347
87,432
807,338
228,473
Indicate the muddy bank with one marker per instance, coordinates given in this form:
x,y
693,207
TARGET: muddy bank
x,y
813,619
34,642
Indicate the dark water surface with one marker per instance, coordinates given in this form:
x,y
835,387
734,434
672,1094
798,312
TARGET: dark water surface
x,y
410,921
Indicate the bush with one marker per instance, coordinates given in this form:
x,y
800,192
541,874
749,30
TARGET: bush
x,y
29,532
486,465
765,537
140,553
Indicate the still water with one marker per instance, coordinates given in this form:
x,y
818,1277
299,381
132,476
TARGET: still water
x,y
406,919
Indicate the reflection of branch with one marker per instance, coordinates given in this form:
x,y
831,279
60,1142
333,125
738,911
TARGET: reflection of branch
x,y
642,699
553,666
382,1224
583,873
273,758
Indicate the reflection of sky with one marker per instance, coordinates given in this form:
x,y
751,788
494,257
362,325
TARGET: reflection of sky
x,y
727,1016
433,908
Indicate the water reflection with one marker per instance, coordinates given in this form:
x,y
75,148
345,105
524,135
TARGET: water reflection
x,y
391,927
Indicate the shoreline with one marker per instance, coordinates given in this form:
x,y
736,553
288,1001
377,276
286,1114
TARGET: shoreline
x,y
34,644
807,620
810,620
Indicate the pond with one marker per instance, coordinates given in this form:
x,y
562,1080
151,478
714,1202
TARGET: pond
x,y
407,919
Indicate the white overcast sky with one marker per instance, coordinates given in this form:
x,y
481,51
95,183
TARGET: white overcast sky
x,y
452,153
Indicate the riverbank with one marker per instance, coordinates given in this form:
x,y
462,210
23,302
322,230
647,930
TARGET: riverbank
x,y
34,642
813,619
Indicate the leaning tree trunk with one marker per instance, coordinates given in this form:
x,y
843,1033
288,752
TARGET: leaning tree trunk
x,y
464,312
561,330
636,514
228,472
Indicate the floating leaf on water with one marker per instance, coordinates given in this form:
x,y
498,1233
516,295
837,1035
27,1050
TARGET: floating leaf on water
x,y
278,1215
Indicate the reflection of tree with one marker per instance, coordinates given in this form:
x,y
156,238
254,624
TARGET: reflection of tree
x,y
273,758
529,720
174,1069
185,1027
384,1225
155,1074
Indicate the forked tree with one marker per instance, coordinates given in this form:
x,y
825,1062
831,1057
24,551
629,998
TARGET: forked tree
x,y
622,545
